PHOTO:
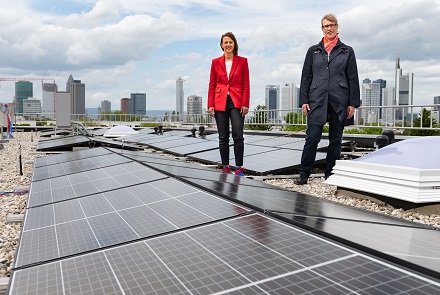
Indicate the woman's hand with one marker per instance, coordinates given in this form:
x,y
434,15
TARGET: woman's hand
x,y
306,109
211,111
244,111
350,112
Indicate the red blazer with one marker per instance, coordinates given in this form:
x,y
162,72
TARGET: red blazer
x,y
237,84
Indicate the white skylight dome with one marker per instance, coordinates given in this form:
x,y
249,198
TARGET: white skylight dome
x,y
119,131
408,170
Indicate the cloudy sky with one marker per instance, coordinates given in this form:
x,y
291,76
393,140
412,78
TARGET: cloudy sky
x,y
118,47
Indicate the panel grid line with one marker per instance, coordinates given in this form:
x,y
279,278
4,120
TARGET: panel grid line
x,y
170,270
256,283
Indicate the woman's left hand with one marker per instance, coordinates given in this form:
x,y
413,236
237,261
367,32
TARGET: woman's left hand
x,y
244,111
350,112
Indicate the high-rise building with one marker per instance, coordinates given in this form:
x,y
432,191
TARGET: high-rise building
x,y
23,90
383,84
69,81
48,103
31,107
125,105
138,104
106,107
437,101
179,95
63,114
77,92
272,101
403,90
194,105
289,98
370,97
388,113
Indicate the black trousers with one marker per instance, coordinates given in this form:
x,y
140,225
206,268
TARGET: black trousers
x,y
314,133
237,122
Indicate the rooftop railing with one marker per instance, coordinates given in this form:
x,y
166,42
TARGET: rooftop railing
x,y
398,117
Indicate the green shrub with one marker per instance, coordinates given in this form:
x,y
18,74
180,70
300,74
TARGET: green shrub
x,y
420,132
295,128
149,124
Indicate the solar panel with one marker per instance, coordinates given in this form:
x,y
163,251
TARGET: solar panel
x,y
105,219
397,239
112,143
64,143
87,183
272,161
185,150
54,132
248,255
66,157
45,172
214,155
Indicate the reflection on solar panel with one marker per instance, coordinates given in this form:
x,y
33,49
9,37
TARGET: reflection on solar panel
x,y
258,153
112,143
214,155
64,142
67,157
61,169
273,161
54,132
247,255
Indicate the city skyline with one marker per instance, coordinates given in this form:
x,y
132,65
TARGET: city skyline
x,y
118,48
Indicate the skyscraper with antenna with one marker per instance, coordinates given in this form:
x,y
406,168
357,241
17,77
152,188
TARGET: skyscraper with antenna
x,y
404,91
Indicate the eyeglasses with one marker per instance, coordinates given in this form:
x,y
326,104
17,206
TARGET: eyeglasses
x,y
332,26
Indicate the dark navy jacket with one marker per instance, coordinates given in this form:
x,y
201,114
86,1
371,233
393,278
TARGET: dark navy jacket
x,y
330,80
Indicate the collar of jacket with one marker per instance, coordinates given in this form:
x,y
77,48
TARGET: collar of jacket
x,y
234,65
339,46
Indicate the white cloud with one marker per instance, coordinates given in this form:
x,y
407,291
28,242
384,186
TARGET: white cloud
x,y
103,10
117,47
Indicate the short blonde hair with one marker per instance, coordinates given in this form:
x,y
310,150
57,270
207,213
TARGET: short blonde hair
x,y
330,17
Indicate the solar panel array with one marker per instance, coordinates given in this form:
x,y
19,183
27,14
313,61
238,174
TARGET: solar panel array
x,y
263,154
157,234
69,142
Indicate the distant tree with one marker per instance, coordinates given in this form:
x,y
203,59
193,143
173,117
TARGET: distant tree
x,y
424,120
259,119
295,118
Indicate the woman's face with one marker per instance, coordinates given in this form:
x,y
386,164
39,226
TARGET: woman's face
x,y
330,29
227,44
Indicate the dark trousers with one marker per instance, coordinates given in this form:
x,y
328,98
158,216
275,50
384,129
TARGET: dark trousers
x,y
237,122
314,133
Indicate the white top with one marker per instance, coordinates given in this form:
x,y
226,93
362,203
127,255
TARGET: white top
x,y
228,67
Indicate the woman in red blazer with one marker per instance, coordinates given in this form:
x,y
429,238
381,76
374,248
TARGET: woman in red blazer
x,y
228,98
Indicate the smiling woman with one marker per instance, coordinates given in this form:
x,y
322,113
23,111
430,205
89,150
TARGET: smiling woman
x,y
228,99
329,93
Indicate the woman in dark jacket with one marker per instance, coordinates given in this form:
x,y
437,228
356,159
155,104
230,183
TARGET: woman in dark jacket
x,y
329,93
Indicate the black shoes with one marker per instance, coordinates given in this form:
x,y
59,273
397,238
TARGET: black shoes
x,y
328,175
301,180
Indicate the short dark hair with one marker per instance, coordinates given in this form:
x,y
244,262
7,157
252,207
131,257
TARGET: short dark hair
x,y
230,35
